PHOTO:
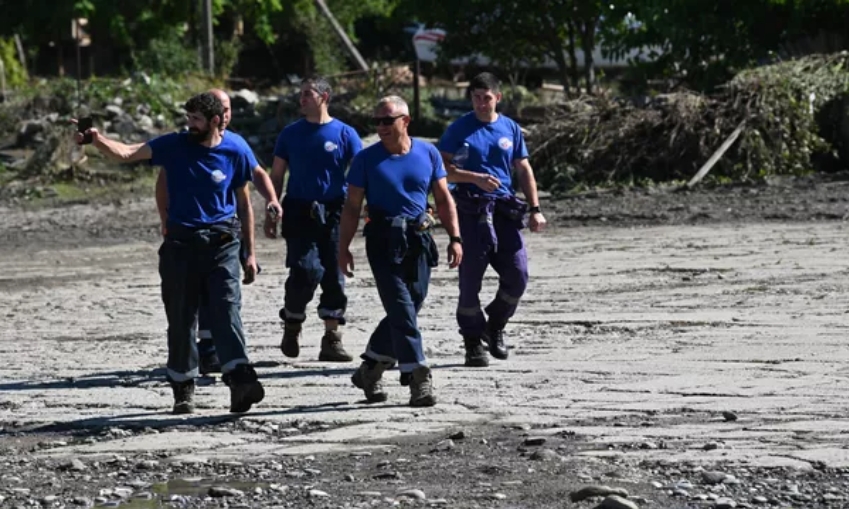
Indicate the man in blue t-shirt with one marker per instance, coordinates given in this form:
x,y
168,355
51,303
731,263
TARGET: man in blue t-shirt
x,y
395,176
316,151
206,175
490,147
208,362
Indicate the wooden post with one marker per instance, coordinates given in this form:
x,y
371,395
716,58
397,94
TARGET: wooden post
x,y
417,103
342,35
22,56
2,81
208,47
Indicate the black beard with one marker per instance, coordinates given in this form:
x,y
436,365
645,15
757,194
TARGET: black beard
x,y
199,136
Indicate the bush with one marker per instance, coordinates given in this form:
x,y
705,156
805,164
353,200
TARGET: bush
x,y
169,56
16,75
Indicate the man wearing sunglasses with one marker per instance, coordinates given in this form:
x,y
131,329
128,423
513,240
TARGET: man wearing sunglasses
x,y
395,176
491,216
316,151
207,177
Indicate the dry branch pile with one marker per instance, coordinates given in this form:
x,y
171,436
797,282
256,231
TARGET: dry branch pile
x,y
794,115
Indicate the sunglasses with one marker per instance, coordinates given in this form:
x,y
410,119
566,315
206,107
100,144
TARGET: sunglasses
x,y
385,120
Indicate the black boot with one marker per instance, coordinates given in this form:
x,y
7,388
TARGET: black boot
x,y
245,389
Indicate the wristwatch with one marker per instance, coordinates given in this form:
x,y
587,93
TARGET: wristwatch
x,y
453,239
535,210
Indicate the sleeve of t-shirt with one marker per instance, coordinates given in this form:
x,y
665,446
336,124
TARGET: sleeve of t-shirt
x,y
357,174
354,144
448,142
245,162
161,148
280,149
520,150
438,168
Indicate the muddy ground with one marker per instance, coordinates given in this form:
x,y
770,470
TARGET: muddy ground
x,y
687,348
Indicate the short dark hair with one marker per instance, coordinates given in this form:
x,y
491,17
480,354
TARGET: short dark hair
x,y
319,84
207,105
485,81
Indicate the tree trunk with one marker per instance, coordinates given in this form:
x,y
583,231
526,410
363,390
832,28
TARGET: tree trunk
x,y
563,69
588,45
573,57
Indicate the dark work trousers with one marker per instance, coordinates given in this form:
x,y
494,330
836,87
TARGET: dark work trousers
x,y
401,260
311,230
492,236
206,346
194,263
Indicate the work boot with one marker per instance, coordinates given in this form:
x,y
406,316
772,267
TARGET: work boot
x,y
421,388
368,378
291,335
494,336
209,364
245,389
184,396
332,349
476,356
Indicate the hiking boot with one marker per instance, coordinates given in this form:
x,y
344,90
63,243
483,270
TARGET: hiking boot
x,y
476,356
209,364
368,378
245,389
184,396
332,349
291,335
421,388
494,336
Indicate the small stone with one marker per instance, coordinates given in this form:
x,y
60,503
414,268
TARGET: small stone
x,y
648,445
147,465
81,501
657,485
725,503
349,478
710,446
460,435
713,477
370,494
312,471
616,502
74,465
444,445
318,494
760,500
534,441
414,494
729,416
49,499
437,502
498,496
596,491
544,455
223,492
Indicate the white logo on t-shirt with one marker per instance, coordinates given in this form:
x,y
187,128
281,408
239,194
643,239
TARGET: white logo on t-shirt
x,y
218,176
329,146
505,143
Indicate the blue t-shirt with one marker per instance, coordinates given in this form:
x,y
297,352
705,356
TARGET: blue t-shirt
x,y
318,155
492,149
202,181
397,185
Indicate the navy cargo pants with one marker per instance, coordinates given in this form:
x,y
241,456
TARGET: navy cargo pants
x,y
194,262
401,258
311,230
491,231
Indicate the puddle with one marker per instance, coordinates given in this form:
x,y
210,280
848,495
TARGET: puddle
x,y
195,487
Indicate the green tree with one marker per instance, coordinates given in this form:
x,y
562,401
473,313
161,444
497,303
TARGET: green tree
x,y
512,32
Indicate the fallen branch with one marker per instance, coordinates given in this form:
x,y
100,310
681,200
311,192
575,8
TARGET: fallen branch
x,y
716,156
